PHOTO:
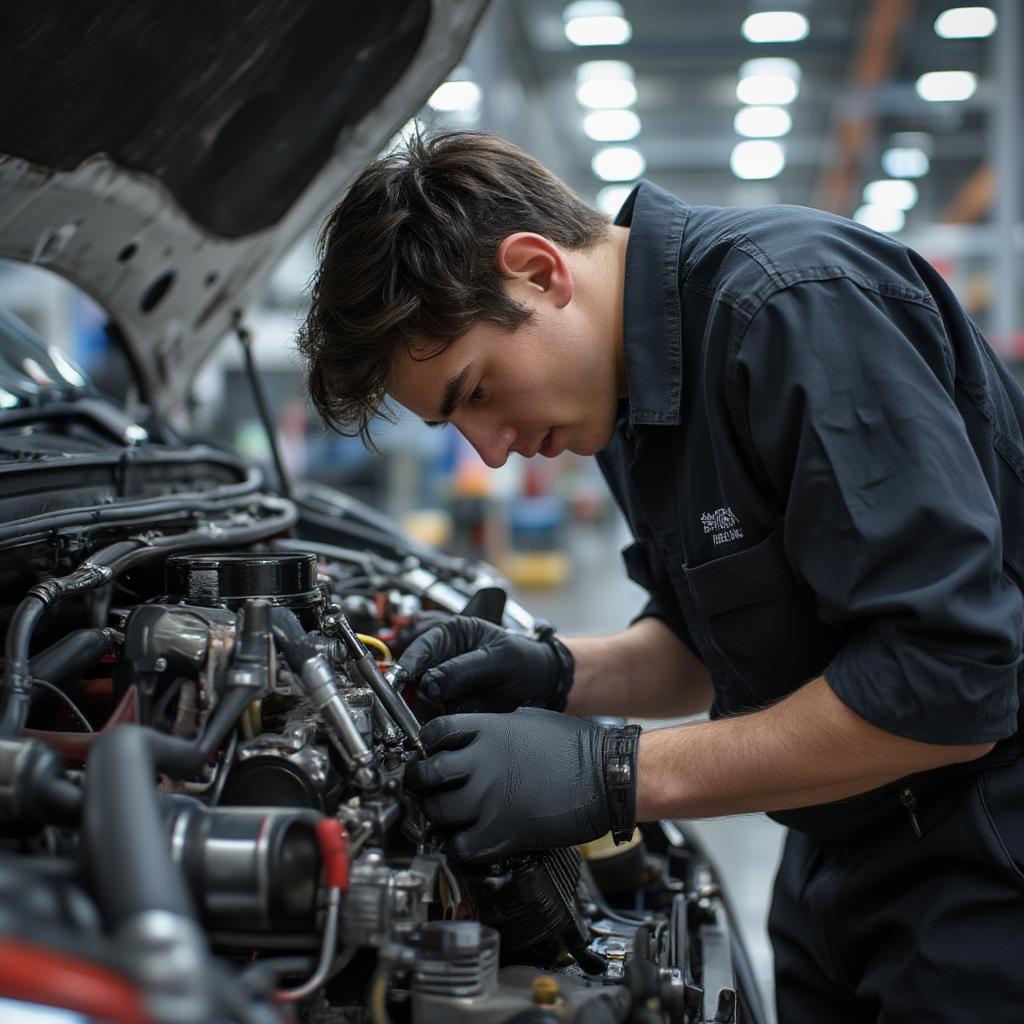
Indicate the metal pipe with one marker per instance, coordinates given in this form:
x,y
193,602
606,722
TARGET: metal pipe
x,y
386,693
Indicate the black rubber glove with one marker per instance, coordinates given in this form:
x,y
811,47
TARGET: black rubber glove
x,y
501,784
467,664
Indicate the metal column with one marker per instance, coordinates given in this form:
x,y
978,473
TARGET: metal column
x,y
1006,114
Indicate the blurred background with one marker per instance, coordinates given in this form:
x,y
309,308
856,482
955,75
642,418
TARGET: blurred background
x,y
904,115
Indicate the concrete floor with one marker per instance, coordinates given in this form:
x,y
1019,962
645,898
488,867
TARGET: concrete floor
x,y
599,598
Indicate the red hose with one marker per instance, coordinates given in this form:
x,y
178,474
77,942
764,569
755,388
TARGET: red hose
x,y
47,977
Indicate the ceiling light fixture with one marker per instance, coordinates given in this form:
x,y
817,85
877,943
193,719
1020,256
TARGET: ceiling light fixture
x,y
771,66
611,198
618,163
880,218
606,94
753,160
611,125
905,162
966,23
605,84
455,97
891,193
596,23
946,86
770,90
762,122
775,27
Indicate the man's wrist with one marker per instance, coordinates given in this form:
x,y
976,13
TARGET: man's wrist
x,y
620,754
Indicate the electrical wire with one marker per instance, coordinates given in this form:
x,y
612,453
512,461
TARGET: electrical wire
x,y
225,768
67,700
379,990
379,645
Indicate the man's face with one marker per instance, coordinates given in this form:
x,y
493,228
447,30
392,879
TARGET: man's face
x,y
546,387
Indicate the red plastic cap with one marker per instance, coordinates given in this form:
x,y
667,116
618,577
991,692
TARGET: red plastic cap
x,y
332,836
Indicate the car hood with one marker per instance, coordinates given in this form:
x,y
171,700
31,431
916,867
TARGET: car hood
x,y
164,156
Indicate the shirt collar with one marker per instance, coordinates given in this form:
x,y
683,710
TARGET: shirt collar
x,y
651,304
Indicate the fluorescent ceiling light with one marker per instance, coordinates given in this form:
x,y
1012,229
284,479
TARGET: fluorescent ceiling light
x,y
604,84
905,162
772,90
594,70
762,122
966,23
891,193
606,93
775,27
611,125
771,66
757,159
950,86
455,97
880,218
611,198
596,23
618,163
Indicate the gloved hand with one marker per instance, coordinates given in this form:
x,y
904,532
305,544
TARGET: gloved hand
x,y
467,664
501,784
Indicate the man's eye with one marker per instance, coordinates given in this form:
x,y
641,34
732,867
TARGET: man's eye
x,y
478,394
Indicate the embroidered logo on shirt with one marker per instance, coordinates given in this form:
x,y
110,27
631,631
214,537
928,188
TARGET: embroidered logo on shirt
x,y
722,524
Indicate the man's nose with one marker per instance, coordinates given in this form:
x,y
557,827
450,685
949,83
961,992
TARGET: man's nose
x,y
492,443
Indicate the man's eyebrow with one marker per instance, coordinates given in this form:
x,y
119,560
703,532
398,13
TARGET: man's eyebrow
x,y
452,390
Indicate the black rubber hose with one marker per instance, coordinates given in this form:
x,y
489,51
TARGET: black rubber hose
x,y
69,657
183,758
123,830
34,786
50,797
59,801
296,643
17,682
143,511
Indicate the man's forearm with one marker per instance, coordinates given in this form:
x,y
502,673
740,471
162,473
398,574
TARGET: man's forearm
x,y
808,749
645,671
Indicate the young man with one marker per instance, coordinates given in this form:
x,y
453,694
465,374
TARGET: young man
x,y
821,462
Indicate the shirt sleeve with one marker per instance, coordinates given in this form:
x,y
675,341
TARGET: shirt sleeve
x,y
846,398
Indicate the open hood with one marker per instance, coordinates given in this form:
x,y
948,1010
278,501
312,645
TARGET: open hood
x,y
164,156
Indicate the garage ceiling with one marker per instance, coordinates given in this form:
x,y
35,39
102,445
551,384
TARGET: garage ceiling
x,y
859,64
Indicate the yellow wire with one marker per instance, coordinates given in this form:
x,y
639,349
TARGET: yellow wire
x,y
372,641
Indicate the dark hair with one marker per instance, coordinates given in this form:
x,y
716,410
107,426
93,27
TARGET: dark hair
x,y
409,256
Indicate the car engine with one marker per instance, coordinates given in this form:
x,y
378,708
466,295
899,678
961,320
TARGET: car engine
x,y
203,735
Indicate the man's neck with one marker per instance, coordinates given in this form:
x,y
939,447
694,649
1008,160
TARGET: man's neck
x,y
605,273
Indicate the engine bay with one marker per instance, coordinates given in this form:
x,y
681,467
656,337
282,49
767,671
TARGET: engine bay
x,y
204,737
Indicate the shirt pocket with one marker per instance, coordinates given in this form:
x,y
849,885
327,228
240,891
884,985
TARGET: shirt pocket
x,y
762,620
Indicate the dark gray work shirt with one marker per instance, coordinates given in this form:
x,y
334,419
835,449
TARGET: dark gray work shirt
x,y
822,464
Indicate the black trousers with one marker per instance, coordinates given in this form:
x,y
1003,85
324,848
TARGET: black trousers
x,y
880,926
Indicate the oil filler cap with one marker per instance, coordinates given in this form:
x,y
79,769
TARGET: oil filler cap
x,y
230,578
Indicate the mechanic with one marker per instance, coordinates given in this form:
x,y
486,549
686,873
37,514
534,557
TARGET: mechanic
x,y
821,462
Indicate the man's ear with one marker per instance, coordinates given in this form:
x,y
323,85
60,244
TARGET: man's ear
x,y
535,264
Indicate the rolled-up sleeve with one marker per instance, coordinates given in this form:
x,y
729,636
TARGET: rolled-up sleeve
x,y
847,400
